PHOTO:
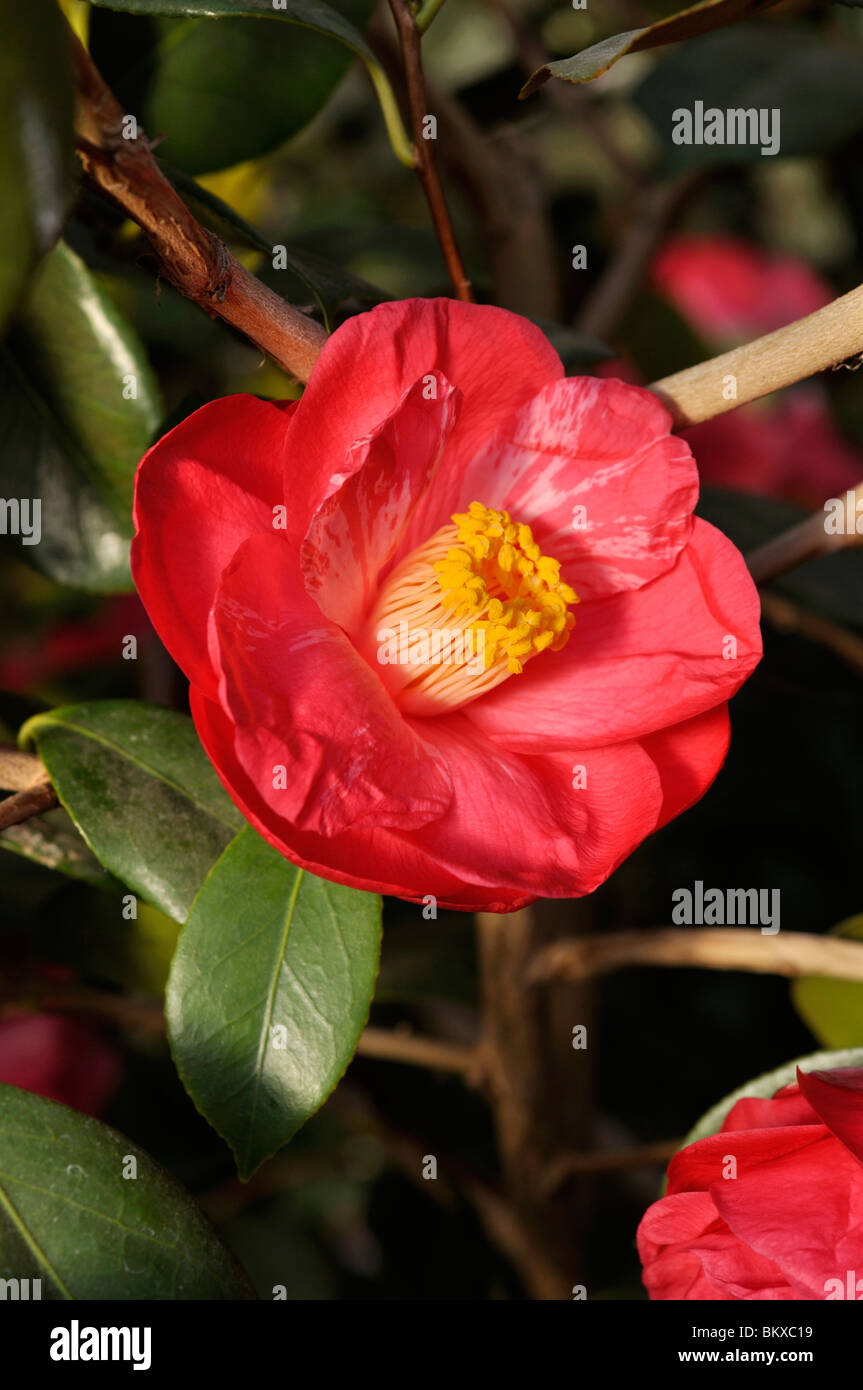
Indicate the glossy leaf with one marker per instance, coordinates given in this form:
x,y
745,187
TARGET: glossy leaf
x,y
78,406
313,14
76,1214
697,19
253,86
814,84
833,1009
140,789
269,992
35,139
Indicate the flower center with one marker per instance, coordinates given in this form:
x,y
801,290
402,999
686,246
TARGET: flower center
x,y
466,610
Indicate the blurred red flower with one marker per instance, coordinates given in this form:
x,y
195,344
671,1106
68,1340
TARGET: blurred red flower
x,y
61,1058
730,292
771,1207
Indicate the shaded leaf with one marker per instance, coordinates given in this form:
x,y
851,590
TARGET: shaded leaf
x,y
69,1216
269,992
52,841
833,1009
35,139
573,348
697,19
313,14
815,85
140,789
252,86
330,286
71,433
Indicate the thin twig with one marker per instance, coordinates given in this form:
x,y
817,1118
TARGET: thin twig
x,y
787,616
715,948
499,177
411,46
809,345
566,1166
805,540
426,13
34,801
195,262
506,1228
395,1046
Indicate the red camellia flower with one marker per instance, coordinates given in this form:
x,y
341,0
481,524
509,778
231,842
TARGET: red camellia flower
x,y
450,624
771,1207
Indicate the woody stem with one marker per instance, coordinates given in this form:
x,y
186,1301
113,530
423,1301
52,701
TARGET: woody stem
x,y
410,40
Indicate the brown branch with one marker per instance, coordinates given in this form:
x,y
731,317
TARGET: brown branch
x,y
567,1166
804,541
34,801
18,771
809,345
394,1046
789,617
506,1229
538,1086
195,262
411,46
715,948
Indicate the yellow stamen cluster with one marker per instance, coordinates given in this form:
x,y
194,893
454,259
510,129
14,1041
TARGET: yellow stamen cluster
x,y
497,577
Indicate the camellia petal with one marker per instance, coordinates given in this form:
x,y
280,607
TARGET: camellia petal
x,y
496,359
688,756
837,1099
206,486
671,650
547,825
769,1208
357,531
315,728
592,467
378,861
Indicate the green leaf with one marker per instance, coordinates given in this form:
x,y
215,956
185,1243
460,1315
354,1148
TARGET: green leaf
x,y
311,14
833,1009
138,785
768,1084
68,434
253,86
52,841
269,992
593,61
330,286
816,86
35,139
69,1216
